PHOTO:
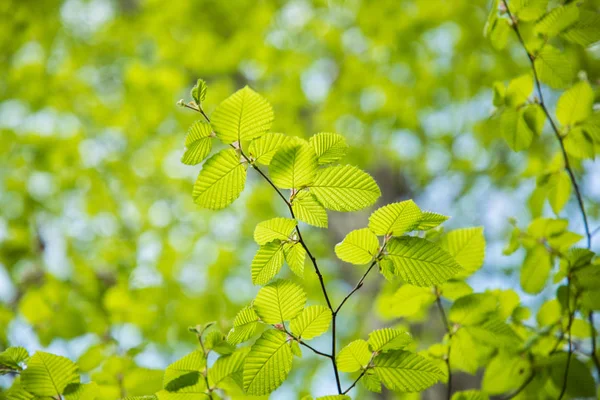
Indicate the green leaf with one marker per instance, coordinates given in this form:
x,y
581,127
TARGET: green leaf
x,y
353,357
529,10
579,144
329,147
549,313
421,262
575,105
429,220
268,363
586,30
267,262
264,148
580,382
470,395
358,247
505,373
495,332
198,92
166,395
467,246
335,397
12,358
308,209
554,68
344,188
81,391
184,375
198,143
409,300
473,309
386,339
557,20
244,326
216,341
279,301
395,219
274,229
293,167
226,366
371,382
536,270
519,90
560,191
244,115
295,256
48,374
312,322
221,180
403,371
515,129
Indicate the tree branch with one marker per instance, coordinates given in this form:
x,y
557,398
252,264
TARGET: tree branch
x,y
438,301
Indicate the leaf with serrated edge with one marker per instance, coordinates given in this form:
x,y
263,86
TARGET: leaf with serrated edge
x,y
329,147
198,143
293,167
227,365
386,339
268,363
312,322
429,220
421,262
308,209
404,371
264,148
274,229
281,300
358,247
467,246
221,180
395,218
244,115
48,374
244,326
183,375
354,356
295,256
575,105
267,262
554,67
344,188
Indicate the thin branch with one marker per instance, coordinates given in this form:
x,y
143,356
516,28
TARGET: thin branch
x,y
297,339
356,381
574,183
308,252
438,301
570,339
519,389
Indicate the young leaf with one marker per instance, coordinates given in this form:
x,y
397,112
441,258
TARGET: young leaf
x,y
371,382
244,326
221,180
557,20
198,92
264,148
308,209
11,359
560,191
344,188
279,301
580,382
329,147
529,10
554,67
244,115
421,262
585,31
470,395
467,246
353,357
358,247
184,374
575,105
535,270
515,129
579,143
274,229
293,167
386,339
295,256
401,370
198,143
226,366
519,90
312,322
395,219
429,220
267,364
267,262
48,375
473,309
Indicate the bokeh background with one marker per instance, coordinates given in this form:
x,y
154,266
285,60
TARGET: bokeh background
x,y
102,250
